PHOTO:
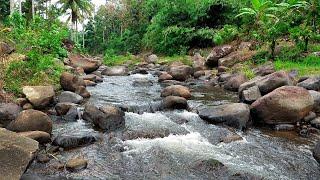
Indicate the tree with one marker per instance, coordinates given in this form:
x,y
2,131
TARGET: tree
x,y
11,6
79,9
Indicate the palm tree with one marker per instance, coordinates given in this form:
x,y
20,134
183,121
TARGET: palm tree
x,y
79,10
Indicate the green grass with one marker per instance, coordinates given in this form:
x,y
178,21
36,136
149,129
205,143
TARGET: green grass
x,y
171,59
116,60
306,66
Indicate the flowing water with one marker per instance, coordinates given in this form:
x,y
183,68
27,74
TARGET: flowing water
x,y
177,144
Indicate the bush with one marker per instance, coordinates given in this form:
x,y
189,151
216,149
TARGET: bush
x,y
225,35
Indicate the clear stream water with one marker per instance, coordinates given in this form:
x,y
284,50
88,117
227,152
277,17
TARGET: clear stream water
x,y
172,144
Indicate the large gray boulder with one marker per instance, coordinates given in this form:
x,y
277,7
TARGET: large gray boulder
x,y
70,97
116,71
39,96
31,120
88,65
8,113
236,57
180,73
316,152
16,153
70,82
312,83
176,90
106,118
174,102
236,114
217,53
285,105
267,83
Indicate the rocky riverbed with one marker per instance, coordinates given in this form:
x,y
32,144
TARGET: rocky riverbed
x,y
166,122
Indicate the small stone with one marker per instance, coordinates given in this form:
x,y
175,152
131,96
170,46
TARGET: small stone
x,y
77,164
43,158
232,138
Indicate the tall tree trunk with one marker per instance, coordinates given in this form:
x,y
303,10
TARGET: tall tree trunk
x,y
20,7
11,6
32,8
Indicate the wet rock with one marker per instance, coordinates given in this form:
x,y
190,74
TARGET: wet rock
x,y
284,127
176,90
40,136
70,97
8,113
115,71
72,114
140,71
167,83
39,96
68,141
316,152
250,95
236,57
27,106
43,158
89,77
174,102
268,83
31,120
312,83
88,65
316,97
151,58
164,76
22,101
209,165
106,118
310,117
199,74
277,107
89,83
222,69
142,83
76,164
82,91
17,152
180,73
232,138
70,82
236,115
265,69
224,77
234,82
63,108
198,62
316,123
217,53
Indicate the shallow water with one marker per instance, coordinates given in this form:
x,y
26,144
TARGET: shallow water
x,y
170,145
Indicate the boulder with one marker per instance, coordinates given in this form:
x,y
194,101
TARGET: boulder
x,y
115,71
39,96
140,71
5,49
316,152
27,106
17,152
88,65
180,73
198,62
250,95
265,69
176,90
151,58
174,102
164,76
70,82
82,91
311,116
236,115
316,123
31,120
217,53
199,74
63,108
106,118
40,136
76,164
285,105
316,98
224,77
69,142
236,57
8,113
234,82
312,83
142,83
268,83
70,97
